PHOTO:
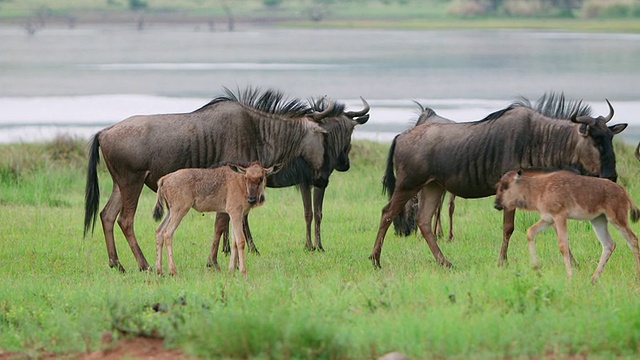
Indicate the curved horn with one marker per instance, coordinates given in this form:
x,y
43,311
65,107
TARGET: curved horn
x,y
583,120
610,116
637,152
317,116
366,109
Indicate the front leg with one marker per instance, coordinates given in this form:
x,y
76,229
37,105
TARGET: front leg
x,y
318,199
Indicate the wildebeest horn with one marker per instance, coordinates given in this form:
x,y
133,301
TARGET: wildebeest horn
x,y
610,116
583,120
317,116
366,109
637,152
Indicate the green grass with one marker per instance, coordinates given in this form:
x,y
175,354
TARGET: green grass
x,y
58,294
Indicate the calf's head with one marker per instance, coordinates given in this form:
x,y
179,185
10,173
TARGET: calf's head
x,y
255,179
594,151
509,192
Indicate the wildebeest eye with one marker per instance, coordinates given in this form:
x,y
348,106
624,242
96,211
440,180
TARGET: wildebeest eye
x,y
505,186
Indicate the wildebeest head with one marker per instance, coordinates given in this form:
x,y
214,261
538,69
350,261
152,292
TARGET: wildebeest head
x,y
255,179
339,125
594,151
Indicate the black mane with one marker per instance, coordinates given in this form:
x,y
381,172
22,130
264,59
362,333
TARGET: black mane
x,y
556,106
270,101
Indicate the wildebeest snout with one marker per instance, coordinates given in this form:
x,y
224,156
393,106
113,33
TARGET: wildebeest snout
x,y
498,205
252,199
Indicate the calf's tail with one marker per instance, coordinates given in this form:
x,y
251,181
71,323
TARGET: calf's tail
x,y
634,212
158,210
92,190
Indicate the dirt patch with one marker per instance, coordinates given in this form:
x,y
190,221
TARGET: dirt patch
x,y
138,348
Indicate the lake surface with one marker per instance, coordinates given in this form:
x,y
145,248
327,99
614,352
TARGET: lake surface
x,y
80,80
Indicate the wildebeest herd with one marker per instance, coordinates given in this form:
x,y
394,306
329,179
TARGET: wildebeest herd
x,y
270,140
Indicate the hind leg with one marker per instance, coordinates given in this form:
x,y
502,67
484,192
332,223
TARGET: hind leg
x,y
305,193
632,240
130,196
531,234
108,217
430,200
599,225
452,207
160,243
393,208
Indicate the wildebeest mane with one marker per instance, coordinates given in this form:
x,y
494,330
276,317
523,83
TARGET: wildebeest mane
x,y
269,101
556,106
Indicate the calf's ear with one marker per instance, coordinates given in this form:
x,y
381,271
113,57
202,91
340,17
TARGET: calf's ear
x,y
274,169
237,168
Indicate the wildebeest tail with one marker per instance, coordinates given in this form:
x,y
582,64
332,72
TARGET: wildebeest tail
x,y
92,190
404,222
389,178
158,210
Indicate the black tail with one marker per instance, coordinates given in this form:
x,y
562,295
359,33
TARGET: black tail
x,y
404,222
389,178
635,214
92,190
158,210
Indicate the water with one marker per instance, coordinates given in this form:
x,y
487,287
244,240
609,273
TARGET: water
x,y
77,81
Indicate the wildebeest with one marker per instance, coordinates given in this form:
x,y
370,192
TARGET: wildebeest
x,y
339,126
231,189
405,224
251,125
468,159
562,195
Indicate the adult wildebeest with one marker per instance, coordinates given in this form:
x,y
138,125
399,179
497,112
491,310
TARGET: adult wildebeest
x,y
337,145
468,159
231,189
405,225
249,126
562,195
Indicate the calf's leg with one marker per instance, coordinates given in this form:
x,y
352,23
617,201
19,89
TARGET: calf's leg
x,y
539,226
600,228
632,241
563,242
221,227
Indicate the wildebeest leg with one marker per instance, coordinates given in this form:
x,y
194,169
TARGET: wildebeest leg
x,y
223,220
108,217
393,208
573,260
318,198
437,219
130,193
508,218
452,207
305,193
248,236
237,248
221,229
531,234
563,242
430,199
608,245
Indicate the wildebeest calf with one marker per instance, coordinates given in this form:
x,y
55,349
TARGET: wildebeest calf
x,y
562,195
231,189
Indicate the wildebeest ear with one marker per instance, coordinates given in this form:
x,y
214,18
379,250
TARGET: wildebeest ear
x,y
617,129
518,174
362,119
274,169
583,130
237,168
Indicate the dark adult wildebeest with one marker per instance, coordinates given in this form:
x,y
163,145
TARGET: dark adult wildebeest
x,y
239,128
468,159
339,126
405,225
230,188
562,195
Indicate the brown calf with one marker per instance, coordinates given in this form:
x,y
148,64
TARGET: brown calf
x,y
562,195
231,189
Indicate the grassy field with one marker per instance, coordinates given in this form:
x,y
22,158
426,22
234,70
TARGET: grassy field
x,y
58,294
